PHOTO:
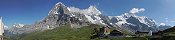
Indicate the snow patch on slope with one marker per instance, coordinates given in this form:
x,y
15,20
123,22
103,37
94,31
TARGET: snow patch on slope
x,y
89,11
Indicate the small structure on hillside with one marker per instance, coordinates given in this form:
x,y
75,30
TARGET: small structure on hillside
x,y
116,33
142,34
101,32
106,30
1,29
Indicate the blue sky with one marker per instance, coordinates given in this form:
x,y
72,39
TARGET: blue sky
x,y
30,11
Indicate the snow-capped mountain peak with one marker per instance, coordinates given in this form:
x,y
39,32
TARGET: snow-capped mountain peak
x,y
60,4
59,8
134,22
18,25
94,10
126,15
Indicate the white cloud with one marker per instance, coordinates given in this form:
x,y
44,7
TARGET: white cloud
x,y
136,10
162,24
142,9
6,27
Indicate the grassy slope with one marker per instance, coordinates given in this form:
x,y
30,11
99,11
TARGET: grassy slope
x,y
62,33
68,33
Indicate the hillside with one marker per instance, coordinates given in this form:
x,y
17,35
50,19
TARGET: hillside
x,y
170,29
167,34
68,33
62,33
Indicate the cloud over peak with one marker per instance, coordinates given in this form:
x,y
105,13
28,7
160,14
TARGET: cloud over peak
x,y
136,10
163,24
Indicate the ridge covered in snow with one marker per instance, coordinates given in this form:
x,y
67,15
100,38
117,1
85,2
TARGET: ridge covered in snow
x,y
92,10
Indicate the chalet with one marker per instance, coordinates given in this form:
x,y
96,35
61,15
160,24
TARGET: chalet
x,y
106,30
100,32
1,29
111,34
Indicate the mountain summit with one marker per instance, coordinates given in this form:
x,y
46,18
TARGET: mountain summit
x,y
58,9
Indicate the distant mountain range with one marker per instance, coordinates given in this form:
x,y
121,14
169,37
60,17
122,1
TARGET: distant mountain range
x,y
61,15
